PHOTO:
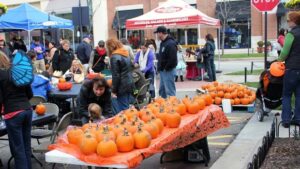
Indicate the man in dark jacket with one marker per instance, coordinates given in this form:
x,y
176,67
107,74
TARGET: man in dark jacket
x,y
94,91
167,62
84,50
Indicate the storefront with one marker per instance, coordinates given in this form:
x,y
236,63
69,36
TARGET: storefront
x,y
238,26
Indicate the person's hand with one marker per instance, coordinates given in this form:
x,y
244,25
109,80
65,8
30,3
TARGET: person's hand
x,y
136,65
113,95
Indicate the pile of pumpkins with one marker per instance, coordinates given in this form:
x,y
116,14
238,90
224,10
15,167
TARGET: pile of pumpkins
x,y
237,93
63,85
133,129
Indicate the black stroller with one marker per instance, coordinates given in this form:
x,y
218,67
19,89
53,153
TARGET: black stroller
x,y
268,94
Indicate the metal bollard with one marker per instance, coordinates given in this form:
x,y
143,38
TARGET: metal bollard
x,y
245,74
252,65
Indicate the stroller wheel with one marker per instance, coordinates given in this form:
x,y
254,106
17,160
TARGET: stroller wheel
x,y
259,110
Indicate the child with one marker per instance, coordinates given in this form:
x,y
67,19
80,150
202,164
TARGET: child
x,y
76,71
181,65
41,84
32,55
95,113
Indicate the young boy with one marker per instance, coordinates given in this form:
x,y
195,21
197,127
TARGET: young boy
x,y
95,112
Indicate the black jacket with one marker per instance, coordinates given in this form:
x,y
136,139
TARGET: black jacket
x,y
87,96
83,52
62,60
98,62
167,58
14,98
208,50
121,70
293,60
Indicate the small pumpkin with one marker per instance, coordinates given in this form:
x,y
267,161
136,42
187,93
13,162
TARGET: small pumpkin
x,y
107,148
181,108
125,142
174,119
192,108
75,135
100,135
245,101
237,101
227,96
159,123
109,83
218,100
220,94
40,109
152,128
92,76
61,80
142,138
88,144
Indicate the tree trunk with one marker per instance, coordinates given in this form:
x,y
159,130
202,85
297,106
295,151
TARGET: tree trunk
x,y
223,37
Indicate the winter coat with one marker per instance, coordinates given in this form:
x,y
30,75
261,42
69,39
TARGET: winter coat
x,y
121,70
62,60
97,60
167,58
83,52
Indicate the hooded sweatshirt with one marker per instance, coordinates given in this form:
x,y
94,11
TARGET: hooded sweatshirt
x,y
41,86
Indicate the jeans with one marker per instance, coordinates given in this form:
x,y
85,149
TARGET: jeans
x,y
19,134
291,85
151,75
210,68
121,103
167,84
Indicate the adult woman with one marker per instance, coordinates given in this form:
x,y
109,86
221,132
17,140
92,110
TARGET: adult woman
x,y
76,71
49,58
209,54
63,57
94,91
122,81
144,59
17,115
291,81
97,58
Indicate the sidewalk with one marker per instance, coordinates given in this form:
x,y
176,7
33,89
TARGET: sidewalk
x,y
240,152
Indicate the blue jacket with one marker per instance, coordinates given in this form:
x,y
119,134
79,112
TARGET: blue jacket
x,y
41,86
35,47
150,62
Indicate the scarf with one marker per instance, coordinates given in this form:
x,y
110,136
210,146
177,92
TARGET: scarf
x,y
100,51
143,59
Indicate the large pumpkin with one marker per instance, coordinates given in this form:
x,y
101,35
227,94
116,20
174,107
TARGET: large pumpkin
x,y
92,75
40,109
64,86
107,147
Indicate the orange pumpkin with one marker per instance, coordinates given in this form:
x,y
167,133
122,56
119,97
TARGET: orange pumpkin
x,y
92,75
61,80
201,103
88,144
232,102
174,119
146,116
220,94
159,124
64,86
227,96
100,135
152,128
89,125
120,118
237,101
192,108
240,94
213,94
132,127
245,101
142,138
131,112
162,116
277,69
181,108
107,148
40,109
208,99
234,94
215,83
75,135
218,100
117,129
125,142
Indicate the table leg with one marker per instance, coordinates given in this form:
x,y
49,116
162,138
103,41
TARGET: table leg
x,y
1,164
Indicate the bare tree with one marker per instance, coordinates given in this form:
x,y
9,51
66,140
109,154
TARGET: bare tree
x,y
226,12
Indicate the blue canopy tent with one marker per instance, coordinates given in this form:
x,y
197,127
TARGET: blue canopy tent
x,y
28,18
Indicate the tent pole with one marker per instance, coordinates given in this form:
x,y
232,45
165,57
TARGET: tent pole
x,y
73,36
28,39
185,37
125,33
218,31
199,34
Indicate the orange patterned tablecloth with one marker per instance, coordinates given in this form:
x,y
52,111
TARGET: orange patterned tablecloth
x,y
192,128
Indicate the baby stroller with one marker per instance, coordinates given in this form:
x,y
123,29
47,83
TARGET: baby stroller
x,y
268,94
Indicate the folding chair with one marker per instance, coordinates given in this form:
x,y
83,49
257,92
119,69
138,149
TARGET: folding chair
x,y
35,100
39,133
143,91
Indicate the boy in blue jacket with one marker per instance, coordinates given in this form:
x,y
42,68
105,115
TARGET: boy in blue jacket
x,y
41,84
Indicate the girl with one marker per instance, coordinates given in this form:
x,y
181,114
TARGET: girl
x,y
181,65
